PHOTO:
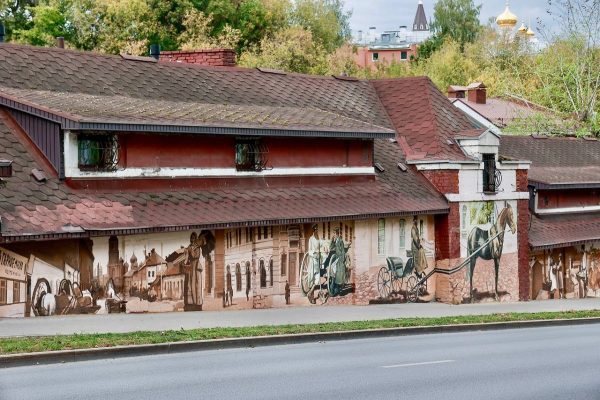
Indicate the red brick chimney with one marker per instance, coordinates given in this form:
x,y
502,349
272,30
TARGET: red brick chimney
x,y
477,93
212,57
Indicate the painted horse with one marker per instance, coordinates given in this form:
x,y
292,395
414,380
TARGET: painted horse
x,y
476,243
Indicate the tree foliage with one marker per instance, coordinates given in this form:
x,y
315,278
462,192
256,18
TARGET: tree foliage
x,y
457,20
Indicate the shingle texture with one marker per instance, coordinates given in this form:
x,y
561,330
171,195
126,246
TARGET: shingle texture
x,y
559,231
84,84
424,117
556,160
28,207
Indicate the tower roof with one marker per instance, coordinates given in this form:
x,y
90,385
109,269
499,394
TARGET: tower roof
x,y
420,23
507,18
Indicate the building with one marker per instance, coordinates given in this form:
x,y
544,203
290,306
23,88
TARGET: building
x,y
392,46
245,179
564,186
491,113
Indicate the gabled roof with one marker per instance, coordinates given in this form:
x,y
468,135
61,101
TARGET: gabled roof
x,y
500,111
556,231
86,90
557,162
51,209
424,118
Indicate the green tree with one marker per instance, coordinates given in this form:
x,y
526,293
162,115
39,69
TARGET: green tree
x,y
325,19
457,20
15,14
292,49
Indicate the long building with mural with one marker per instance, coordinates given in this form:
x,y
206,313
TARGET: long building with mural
x,y
140,184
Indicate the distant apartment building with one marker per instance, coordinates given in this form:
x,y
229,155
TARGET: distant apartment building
x,y
392,46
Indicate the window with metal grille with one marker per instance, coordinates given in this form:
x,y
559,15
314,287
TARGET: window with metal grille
x,y
490,174
98,152
381,236
250,154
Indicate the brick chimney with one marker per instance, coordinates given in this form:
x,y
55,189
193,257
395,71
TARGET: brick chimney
x,y
212,57
477,93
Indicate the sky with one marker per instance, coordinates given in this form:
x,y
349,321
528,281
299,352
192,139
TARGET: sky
x,y
390,14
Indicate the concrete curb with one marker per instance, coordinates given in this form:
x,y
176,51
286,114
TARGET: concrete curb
x,y
63,356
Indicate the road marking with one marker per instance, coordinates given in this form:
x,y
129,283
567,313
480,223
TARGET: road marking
x,y
416,364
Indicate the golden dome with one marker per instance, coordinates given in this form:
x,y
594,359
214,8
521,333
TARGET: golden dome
x,y
530,32
507,18
523,29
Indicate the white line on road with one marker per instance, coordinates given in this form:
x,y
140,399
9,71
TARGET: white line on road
x,y
416,364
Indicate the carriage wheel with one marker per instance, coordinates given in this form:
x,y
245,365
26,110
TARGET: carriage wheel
x,y
323,291
411,289
348,268
397,285
384,282
304,275
42,287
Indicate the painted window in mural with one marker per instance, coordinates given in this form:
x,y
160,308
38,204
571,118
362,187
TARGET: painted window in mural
x,y
3,291
238,278
381,236
283,264
271,272
402,235
263,273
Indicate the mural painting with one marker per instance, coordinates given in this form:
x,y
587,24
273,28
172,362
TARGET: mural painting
x,y
487,269
566,273
256,267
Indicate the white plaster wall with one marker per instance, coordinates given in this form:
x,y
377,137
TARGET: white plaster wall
x,y
471,181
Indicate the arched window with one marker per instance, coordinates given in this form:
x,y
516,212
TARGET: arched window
x,y
247,276
238,278
263,273
271,272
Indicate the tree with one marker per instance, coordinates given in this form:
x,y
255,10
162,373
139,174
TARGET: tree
x,y
15,14
457,20
569,69
292,49
197,33
325,19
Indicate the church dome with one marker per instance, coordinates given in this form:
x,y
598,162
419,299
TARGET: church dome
x,y
133,259
523,29
507,18
530,32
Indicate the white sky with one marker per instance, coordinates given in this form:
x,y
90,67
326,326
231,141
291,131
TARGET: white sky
x,y
390,14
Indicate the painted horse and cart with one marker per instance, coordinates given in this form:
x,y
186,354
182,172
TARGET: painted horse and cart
x,y
399,278
332,273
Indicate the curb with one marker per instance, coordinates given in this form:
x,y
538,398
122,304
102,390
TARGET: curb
x,y
63,356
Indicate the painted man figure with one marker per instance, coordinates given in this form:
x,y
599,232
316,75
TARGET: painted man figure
x,y
287,292
418,252
338,248
314,258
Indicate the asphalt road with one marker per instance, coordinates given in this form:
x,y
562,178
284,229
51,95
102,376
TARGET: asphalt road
x,y
533,363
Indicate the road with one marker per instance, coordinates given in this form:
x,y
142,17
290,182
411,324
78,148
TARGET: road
x,y
540,363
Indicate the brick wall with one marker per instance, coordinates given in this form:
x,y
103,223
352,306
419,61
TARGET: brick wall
x,y
522,180
212,57
445,181
447,234
523,248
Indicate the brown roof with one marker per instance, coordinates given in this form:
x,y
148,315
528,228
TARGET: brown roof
x,y
32,209
556,161
500,111
564,230
424,117
79,89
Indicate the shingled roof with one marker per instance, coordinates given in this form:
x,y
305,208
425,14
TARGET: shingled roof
x,y
36,209
553,231
424,118
557,162
82,90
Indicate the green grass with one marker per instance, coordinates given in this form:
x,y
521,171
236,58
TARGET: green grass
x,y
86,341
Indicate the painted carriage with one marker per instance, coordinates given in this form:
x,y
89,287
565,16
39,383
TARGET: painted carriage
x,y
329,264
70,299
401,279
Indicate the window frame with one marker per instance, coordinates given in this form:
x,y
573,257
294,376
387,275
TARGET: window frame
x,y
381,237
375,57
3,291
402,234
250,154
101,150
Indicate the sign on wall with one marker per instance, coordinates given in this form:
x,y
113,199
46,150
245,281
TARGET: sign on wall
x,y
12,265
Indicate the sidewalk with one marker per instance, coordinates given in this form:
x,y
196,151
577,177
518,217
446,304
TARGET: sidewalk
x,y
119,323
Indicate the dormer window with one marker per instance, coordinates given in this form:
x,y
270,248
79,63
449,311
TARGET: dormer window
x,y
250,154
98,152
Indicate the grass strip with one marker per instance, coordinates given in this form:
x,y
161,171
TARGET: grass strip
x,y
86,341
